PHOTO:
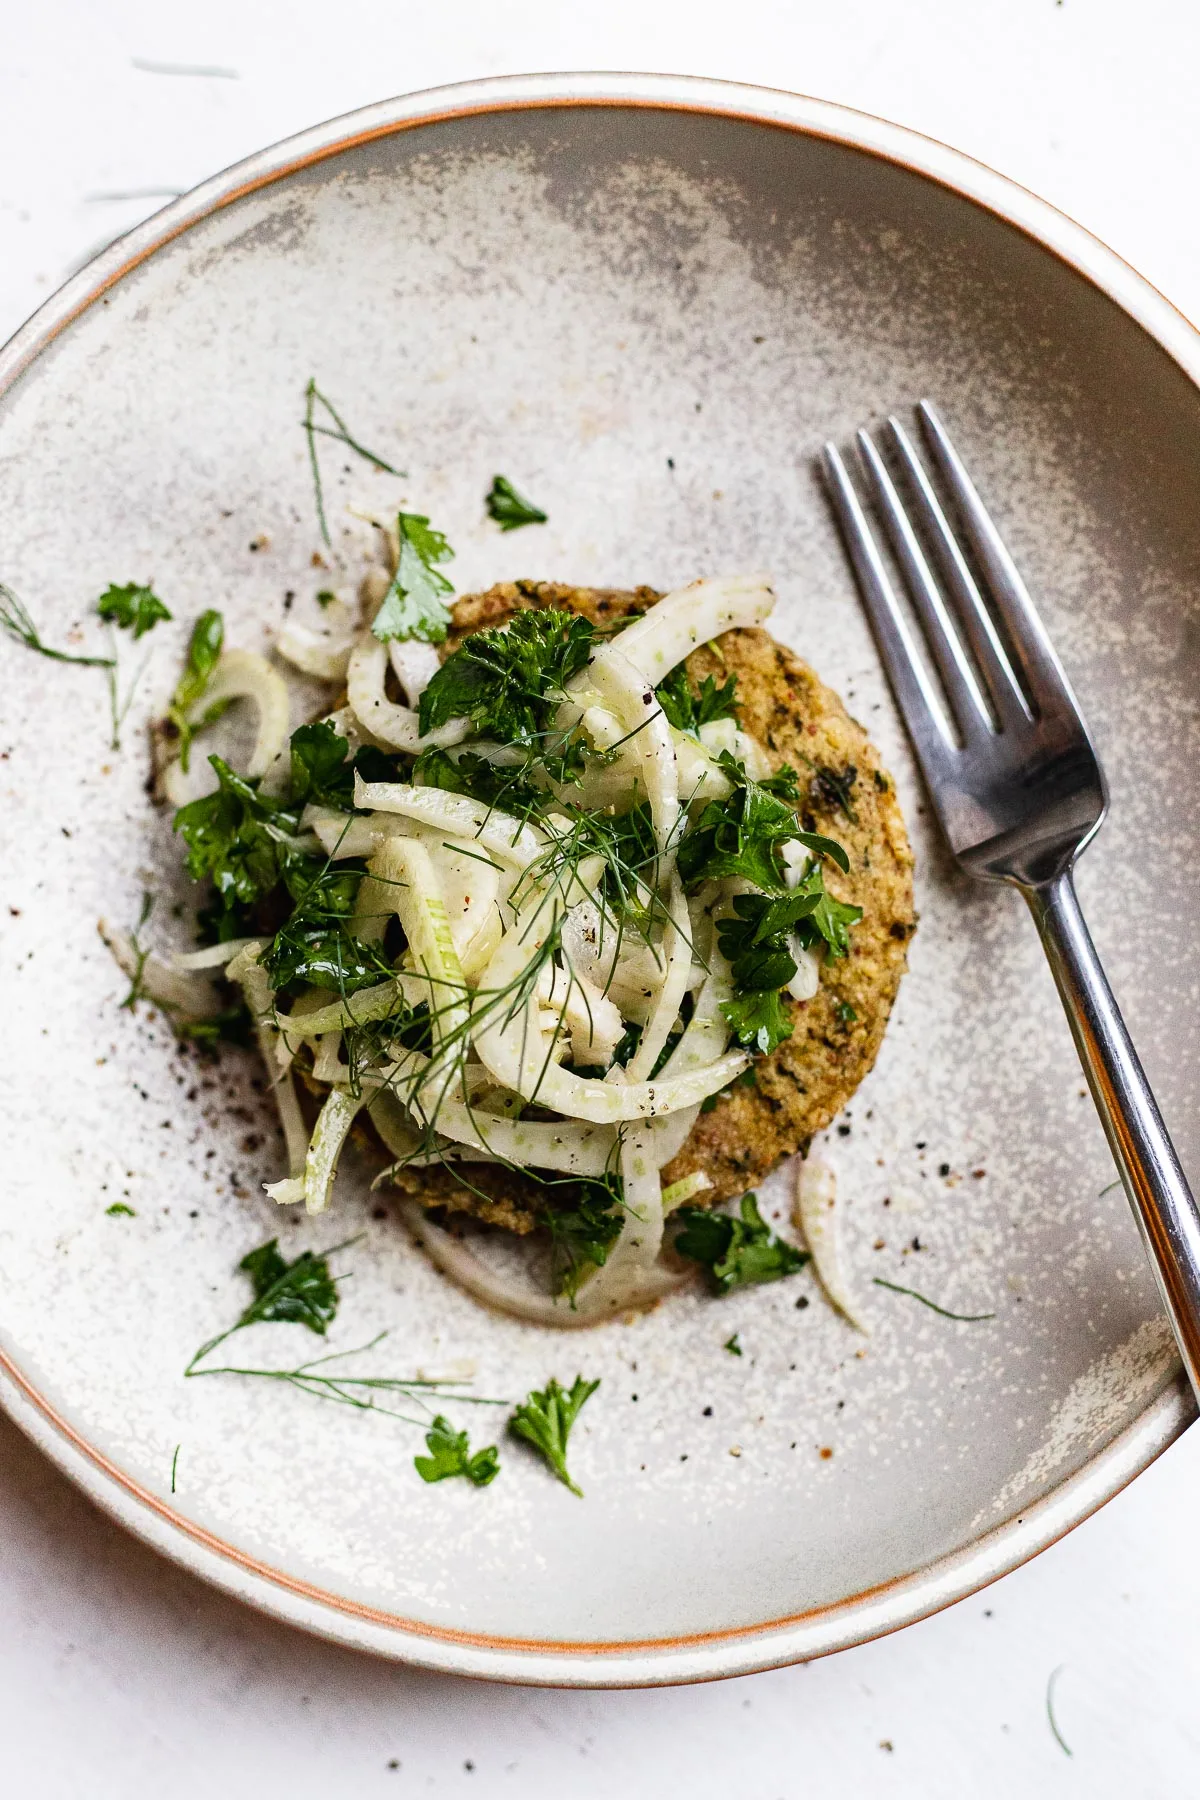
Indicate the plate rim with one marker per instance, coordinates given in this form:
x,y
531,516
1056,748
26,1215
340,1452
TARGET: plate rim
x,y
774,1642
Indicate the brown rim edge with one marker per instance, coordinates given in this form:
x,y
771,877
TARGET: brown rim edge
x,y
742,1649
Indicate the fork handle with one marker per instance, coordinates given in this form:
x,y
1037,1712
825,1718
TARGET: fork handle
x,y
1142,1149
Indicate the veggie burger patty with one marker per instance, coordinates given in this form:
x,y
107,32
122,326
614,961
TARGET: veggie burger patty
x,y
786,1097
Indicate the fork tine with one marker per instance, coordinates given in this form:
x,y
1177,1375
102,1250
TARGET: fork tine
x,y
1040,668
976,621
958,677
914,694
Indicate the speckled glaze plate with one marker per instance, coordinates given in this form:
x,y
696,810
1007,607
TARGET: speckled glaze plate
x,y
649,301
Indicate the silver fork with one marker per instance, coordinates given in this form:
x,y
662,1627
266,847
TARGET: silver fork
x,y
1018,788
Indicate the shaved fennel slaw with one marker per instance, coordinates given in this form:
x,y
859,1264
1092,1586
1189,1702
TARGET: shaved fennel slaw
x,y
492,922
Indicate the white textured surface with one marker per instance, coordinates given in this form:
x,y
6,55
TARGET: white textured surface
x,y
1037,96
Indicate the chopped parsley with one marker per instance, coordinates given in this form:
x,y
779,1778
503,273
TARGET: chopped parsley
x,y
756,943
133,607
508,681
449,1454
736,1251
316,944
320,772
242,841
758,1017
509,509
581,1235
733,1345
545,1420
302,1292
204,651
687,711
741,835
119,1210
509,789
414,606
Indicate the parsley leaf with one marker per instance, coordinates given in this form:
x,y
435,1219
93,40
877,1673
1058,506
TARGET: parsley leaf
x,y
508,508
740,836
241,840
449,1454
510,789
736,1250
758,1017
132,607
581,1235
302,1292
204,650
413,607
545,1420
319,769
316,944
829,921
508,680
687,711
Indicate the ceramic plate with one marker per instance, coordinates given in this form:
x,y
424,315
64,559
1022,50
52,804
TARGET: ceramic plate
x,y
648,301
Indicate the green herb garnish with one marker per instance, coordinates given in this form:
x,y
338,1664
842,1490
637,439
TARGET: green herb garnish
x,y
204,651
449,1454
302,1292
17,624
509,789
175,1465
140,955
687,711
581,1235
119,1210
320,773
733,1345
244,842
313,397
413,606
316,944
962,1318
133,607
545,1420
741,835
508,508
509,681
758,1018
756,943
736,1251
1059,1739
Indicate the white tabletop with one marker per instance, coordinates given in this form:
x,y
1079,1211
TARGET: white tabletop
x,y
122,1677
